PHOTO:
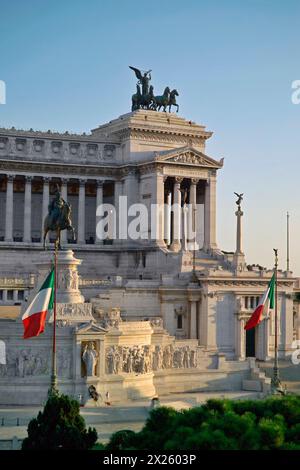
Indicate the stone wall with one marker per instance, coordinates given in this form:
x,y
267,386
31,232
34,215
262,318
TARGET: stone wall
x,y
129,360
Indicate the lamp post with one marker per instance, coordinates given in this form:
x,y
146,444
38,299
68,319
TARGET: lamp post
x,y
275,381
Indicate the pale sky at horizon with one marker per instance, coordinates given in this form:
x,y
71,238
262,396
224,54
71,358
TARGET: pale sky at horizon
x,y
65,65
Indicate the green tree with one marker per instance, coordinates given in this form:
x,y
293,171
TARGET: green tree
x,y
122,440
272,423
59,426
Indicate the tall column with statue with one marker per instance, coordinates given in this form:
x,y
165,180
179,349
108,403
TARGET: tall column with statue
x,y
239,257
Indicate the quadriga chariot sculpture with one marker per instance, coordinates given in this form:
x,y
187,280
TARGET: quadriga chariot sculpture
x,y
145,98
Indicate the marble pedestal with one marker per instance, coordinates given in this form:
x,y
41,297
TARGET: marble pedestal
x,y
71,307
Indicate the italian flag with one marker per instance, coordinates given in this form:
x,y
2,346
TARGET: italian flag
x,y
35,316
267,300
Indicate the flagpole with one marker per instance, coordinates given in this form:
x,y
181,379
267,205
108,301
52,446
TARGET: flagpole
x,y
275,382
287,242
53,387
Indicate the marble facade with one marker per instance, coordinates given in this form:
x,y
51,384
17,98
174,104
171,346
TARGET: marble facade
x,y
203,298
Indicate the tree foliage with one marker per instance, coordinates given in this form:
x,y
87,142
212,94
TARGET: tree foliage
x,y
272,423
59,426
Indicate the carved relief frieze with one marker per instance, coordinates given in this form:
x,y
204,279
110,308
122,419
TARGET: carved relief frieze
x,y
134,359
27,362
140,359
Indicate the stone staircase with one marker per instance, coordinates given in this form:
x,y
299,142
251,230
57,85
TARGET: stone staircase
x,y
289,374
258,380
206,260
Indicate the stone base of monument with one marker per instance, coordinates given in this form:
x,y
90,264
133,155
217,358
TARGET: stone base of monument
x,y
131,386
71,307
128,360
67,275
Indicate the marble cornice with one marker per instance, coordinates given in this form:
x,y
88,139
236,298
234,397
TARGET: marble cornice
x,y
52,135
116,170
15,166
156,134
251,282
32,134
138,131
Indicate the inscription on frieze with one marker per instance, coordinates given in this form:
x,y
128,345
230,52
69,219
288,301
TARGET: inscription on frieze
x,y
175,171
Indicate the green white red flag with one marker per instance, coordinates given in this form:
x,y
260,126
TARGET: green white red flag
x,y
34,318
267,302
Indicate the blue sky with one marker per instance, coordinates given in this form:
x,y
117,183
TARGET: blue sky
x,y
65,64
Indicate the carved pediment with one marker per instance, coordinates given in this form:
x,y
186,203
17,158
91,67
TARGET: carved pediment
x,y
188,156
90,327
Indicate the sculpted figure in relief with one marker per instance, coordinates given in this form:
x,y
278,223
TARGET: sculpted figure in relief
x,y
130,362
89,357
137,359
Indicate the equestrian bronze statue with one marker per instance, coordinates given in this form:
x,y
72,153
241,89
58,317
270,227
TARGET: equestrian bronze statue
x,y
58,218
144,97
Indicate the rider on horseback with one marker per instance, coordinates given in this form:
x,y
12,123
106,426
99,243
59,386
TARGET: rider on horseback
x,y
58,217
55,207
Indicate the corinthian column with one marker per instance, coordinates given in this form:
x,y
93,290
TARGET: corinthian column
x,y
168,219
193,319
99,202
176,243
193,297
160,200
27,210
210,243
9,209
240,338
239,257
81,212
119,231
193,215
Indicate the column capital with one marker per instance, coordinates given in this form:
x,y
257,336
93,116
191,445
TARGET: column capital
x,y
159,171
193,296
239,213
194,181
28,178
64,180
46,179
178,179
99,183
128,172
10,178
82,182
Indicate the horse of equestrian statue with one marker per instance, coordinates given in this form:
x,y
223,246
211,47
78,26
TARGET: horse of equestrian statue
x,y
136,99
172,100
147,100
58,218
142,101
161,101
